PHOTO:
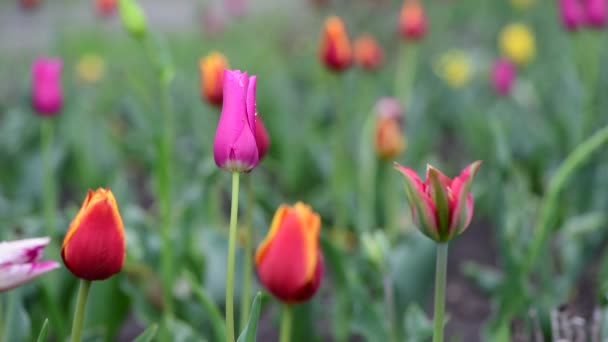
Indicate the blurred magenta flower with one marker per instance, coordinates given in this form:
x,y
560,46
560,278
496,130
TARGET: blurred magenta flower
x,y
235,148
289,260
412,20
368,53
442,208
20,261
236,8
503,76
335,51
595,13
47,97
262,139
105,8
571,14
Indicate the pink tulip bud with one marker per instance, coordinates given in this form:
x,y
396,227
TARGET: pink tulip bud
x,y
388,107
47,97
234,147
20,262
503,76
571,14
262,139
595,13
442,208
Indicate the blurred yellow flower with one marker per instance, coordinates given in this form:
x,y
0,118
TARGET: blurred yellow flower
x,y
90,68
517,43
522,4
454,67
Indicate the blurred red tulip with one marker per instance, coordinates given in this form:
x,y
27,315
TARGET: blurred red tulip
x,y
105,8
289,261
94,246
335,50
368,52
262,139
211,71
29,4
412,21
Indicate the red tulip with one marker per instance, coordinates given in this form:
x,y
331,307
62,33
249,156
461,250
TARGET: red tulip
x,y
335,51
412,21
105,8
368,52
442,208
289,261
94,246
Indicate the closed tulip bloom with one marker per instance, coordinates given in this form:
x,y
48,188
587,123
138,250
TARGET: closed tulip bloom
x,y
133,18
47,96
211,70
289,262
368,52
262,139
389,140
503,76
335,51
235,148
517,43
412,20
20,262
105,7
595,13
442,208
571,14
94,246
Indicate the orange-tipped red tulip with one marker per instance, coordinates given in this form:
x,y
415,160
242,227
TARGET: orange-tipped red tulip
x,y
335,51
289,261
368,52
412,21
211,69
94,246
442,208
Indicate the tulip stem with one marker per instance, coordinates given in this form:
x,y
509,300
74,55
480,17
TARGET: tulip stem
x,y
406,72
46,139
340,151
81,304
389,299
285,324
234,208
440,275
247,262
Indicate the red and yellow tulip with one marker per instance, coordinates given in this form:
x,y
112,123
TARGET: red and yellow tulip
x,y
335,51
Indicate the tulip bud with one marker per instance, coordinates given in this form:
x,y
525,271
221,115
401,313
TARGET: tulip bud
x,y
389,107
375,248
389,140
211,70
235,148
289,262
20,262
29,4
412,20
262,139
335,51
595,13
442,208
133,18
571,14
368,53
105,8
517,43
503,76
94,246
47,97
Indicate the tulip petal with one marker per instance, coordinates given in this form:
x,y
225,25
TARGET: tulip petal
x,y
250,102
13,275
423,209
22,251
462,206
438,190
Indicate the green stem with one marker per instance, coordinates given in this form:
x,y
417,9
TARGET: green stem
x,y
549,203
248,253
366,172
81,304
440,275
406,72
231,258
49,199
390,226
339,159
215,316
389,301
286,324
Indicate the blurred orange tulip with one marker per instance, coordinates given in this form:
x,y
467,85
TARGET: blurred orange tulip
x,y
368,52
211,69
335,51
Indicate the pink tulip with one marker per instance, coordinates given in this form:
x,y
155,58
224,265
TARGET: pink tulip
x,y
388,107
234,147
571,14
47,97
503,76
20,262
595,13
262,139
442,208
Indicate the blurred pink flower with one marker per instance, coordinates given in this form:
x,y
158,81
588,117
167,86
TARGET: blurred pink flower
x,y
571,14
503,76
234,147
20,261
388,107
236,8
595,13
47,97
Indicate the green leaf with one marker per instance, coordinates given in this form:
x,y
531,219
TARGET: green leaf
x,y
43,331
148,334
417,326
486,278
17,325
249,333
217,320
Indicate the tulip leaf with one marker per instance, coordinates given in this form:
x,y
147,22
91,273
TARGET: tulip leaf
x,y
214,313
148,334
17,324
249,332
440,198
43,331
